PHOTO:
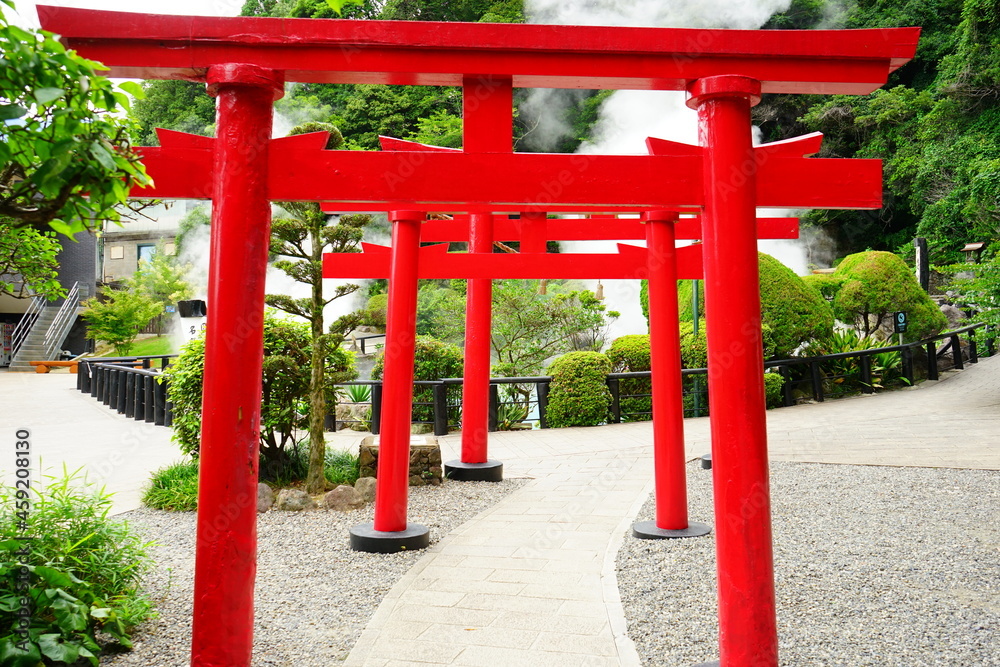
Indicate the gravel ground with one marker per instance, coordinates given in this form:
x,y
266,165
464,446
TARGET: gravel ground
x,y
874,566
314,596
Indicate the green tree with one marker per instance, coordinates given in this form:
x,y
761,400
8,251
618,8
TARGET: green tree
x,y
65,155
873,286
301,238
161,278
28,262
286,375
117,316
979,289
173,104
432,360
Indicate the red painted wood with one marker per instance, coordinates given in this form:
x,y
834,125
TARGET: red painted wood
x,y
397,377
225,556
747,625
535,56
436,263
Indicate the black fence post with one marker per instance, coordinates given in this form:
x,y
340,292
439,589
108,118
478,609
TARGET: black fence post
x,y
122,399
786,388
817,381
112,388
376,407
866,374
139,407
973,349
159,403
932,369
614,386
542,391
130,395
956,351
440,394
149,400
168,413
491,425
907,354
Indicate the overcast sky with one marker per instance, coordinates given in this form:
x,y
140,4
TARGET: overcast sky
x,y
26,8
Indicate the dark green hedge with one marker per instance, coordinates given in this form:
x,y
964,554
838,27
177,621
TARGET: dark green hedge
x,y
578,394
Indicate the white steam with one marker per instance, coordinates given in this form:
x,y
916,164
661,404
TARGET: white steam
x,y
627,117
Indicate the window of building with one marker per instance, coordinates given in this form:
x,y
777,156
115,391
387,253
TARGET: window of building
x,y
146,251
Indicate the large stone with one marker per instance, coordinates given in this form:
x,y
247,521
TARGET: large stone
x,y
265,497
365,486
353,416
343,499
294,500
425,459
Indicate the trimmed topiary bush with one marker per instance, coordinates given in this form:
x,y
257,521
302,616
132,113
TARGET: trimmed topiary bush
x,y
375,311
792,311
773,384
433,360
630,354
876,284
578,394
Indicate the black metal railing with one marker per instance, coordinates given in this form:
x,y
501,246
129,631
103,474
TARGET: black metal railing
x,y
133,387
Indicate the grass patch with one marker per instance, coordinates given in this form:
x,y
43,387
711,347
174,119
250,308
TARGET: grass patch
x,y
149,347
174,488
342,467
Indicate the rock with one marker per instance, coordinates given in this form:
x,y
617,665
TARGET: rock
x,y
425,459
294,500
955,316
343,499
265,497
365,486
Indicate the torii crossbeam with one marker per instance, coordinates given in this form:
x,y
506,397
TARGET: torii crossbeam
x,y
245,61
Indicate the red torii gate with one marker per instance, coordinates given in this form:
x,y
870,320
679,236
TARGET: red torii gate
x,y
245,61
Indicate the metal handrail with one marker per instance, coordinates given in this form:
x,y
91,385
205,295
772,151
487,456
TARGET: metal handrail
x,y
62,322
27,322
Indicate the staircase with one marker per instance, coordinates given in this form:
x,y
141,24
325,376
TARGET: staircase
x,y
44,340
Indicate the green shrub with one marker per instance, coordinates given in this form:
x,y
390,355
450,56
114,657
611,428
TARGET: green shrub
x,y
826,284
118,316
877,284
773,385
286,374
433,360
694,349
792,311
83,574
578,394
174,488
375,311
630,354
842,377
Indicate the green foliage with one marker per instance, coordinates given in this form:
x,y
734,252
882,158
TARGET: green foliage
x,y
65,155
375,311
980,291
358,393
793,312
825,283
173,488
578,393
117,316
877,284
31,256
694,348
441,128
630,354
161,278
433,360
151,347
173,104
286,375
83,575
341,467
842,377
774,383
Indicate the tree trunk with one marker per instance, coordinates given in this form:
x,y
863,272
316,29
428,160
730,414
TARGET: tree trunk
x,y
316,477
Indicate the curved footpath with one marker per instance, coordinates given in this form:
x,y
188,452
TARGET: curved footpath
x,y
532,580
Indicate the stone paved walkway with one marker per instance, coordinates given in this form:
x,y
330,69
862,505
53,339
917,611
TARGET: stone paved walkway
x,y
532,581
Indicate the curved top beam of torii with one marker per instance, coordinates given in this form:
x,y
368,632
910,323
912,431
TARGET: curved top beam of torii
x,y
150,46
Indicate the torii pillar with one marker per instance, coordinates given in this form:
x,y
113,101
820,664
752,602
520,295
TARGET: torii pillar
x,y
226,556
744,556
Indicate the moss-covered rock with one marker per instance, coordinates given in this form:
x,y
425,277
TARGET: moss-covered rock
x,y
578,394
873,286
